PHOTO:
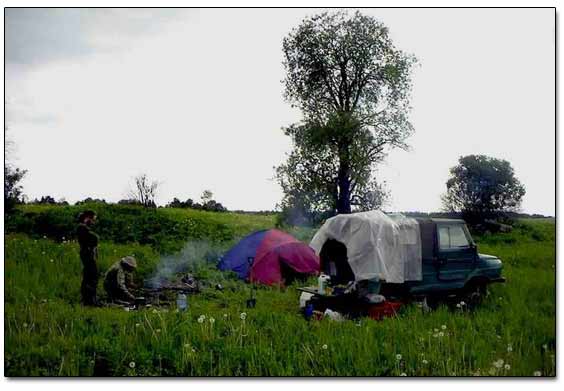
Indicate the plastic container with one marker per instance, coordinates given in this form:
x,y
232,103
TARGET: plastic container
x,y
308,311
322,281
181,302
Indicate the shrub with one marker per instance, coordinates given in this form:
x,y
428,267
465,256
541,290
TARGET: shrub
x,y
119,224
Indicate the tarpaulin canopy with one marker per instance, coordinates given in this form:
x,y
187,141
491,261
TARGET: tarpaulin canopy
x,y
379,246
264,255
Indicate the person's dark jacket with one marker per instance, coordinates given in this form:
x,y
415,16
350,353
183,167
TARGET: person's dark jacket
x,y
88,242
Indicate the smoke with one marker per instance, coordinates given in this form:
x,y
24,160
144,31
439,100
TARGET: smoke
x,y
193,256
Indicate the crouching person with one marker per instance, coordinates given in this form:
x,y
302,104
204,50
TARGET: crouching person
x,y
117,282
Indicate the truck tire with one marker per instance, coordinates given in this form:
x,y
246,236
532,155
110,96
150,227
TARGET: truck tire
x,y
474,293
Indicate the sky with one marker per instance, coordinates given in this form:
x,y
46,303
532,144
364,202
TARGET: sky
x,y
194,99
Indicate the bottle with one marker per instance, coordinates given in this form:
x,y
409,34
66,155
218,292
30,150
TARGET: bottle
x,y
322,282
181,302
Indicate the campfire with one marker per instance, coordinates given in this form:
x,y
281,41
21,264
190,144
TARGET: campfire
x,y
162,291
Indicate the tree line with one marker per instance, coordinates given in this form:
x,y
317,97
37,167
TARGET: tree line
x,y
142,193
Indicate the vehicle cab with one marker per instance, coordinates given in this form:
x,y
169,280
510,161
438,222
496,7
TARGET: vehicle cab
x,y
450,259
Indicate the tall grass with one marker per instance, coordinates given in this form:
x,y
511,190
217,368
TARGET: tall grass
x,y
47,332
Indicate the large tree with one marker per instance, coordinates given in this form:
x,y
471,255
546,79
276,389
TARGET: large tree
x,y
353,86
482,187
310,176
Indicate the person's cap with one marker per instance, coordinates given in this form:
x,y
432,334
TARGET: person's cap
x,y
129,261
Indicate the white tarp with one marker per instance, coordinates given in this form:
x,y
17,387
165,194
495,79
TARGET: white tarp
x,y
379,246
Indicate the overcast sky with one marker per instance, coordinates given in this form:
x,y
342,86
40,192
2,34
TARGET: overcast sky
x,y
194,99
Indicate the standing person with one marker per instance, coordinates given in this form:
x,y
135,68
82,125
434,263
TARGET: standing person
x,y
88,242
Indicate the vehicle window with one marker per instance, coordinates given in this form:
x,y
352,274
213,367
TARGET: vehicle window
x,y
458,237
452,237
444,239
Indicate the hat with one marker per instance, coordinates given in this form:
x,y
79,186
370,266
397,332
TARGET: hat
x,y
129,261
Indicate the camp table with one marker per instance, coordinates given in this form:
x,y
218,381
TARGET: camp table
x,y
349,305
338,302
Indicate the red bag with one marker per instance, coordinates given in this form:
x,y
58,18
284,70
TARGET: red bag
x,y
384,310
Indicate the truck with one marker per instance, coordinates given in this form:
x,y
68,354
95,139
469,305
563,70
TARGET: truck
x,y
440,258
451,265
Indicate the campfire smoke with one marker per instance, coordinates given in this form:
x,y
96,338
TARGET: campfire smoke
x,y
193,255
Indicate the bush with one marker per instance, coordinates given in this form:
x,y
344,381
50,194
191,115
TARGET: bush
x,y
119,224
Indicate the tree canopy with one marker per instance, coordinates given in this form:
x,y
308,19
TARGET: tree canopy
x,y
482,187
353,87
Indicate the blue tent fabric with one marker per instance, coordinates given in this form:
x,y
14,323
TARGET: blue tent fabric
x,y
237,259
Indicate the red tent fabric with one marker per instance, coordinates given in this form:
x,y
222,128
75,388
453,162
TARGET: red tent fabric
x,y
279,247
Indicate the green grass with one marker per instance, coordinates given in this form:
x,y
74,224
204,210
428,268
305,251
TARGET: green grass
x,y
47,332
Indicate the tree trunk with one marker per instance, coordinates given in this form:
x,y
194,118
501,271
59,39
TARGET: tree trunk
x,y
344,182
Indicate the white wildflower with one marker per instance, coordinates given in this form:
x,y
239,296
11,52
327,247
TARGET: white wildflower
x,y
212,320
225,316
458,305
507,367
201,319
132,364
158,330
443,327
186,345
425,362
509,348
436,330
243,315
51,260
498,364
137,324
403,374
462,303
441,334
398,357
324,347
25,325
537,373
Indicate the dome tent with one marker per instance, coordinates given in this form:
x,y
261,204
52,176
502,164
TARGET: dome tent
x,y
378,246
268,256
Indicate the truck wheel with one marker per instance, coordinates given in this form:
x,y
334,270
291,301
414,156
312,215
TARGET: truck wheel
x,y
475,294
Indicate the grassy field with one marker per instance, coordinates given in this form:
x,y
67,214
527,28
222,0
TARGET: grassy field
x,y
47,332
